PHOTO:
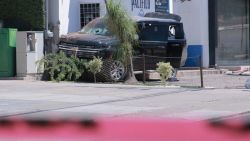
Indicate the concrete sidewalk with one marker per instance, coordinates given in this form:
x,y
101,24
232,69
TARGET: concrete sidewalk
x,y
211,78
221,81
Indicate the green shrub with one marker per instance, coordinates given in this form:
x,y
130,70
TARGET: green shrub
x,y
59,67
165,70
95,66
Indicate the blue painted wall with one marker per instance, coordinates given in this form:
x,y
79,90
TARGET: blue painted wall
x,y
194,53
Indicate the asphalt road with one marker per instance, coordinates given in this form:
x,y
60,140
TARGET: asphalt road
x,y
38,99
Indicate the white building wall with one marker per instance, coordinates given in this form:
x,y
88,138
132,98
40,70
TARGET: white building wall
x,y
194,15
171,6
69,12
64,15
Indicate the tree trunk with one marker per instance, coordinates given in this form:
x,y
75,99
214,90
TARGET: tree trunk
x,y
130,79
94,77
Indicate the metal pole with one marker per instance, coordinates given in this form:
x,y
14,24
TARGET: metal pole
x,y
201,72
46,10
144,68
46,27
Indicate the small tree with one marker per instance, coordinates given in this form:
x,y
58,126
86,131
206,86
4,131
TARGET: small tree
x,y
165,70
95,66
125,29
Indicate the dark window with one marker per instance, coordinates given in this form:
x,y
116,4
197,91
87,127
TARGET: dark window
x,y
233,32
151,31
155,31
229,32
176,31
88,12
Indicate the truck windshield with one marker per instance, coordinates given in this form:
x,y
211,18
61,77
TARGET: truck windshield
x,y
96,27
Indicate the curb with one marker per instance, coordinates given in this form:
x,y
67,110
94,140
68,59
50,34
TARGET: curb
x,y
188,73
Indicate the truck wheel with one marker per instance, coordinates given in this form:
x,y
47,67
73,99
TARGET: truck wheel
x,y
112,71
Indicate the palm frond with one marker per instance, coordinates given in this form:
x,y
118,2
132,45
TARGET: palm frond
x,y
122,26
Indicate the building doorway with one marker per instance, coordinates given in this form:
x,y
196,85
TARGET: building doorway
x,y
231,40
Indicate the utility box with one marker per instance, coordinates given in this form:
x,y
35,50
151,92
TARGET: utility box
x,y
29,50
7,52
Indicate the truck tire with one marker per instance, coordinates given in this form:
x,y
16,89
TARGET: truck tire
x,y
112,71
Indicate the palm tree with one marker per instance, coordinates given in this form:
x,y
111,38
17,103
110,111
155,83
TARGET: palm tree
x,y
125,30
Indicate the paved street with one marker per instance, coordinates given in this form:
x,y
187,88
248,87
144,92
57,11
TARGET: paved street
x,y
36,99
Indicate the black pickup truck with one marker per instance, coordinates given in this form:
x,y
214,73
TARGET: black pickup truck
x,y
158,37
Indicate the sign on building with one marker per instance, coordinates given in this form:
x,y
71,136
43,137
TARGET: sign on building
x,y
139,7
162,6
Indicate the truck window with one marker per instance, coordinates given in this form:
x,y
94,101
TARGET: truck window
x,y
152,31
176,31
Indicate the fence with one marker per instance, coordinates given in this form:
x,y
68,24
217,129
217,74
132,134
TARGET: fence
x,y
144,63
